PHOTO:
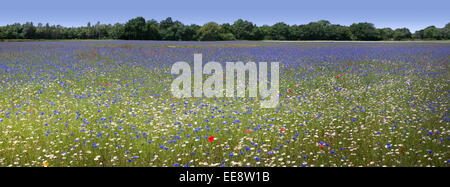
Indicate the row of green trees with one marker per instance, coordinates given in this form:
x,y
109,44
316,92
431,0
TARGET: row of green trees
x,y
140,29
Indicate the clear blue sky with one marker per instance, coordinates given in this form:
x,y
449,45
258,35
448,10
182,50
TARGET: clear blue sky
x,y
413,14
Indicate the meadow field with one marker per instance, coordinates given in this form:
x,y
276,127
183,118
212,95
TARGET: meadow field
x,y
108,103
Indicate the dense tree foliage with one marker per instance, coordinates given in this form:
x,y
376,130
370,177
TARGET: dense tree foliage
x,y
210,32
402,34
385,33
364,31
168,29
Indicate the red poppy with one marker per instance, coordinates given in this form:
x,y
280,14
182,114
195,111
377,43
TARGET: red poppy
x,y
210,139
282,130
338,77
247,131
290,91
321,146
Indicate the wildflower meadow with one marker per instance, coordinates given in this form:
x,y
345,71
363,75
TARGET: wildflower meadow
x,y
108,103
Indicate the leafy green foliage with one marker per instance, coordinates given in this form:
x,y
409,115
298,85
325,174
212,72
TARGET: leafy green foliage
x,y
209,32
402,34
364,31
168,29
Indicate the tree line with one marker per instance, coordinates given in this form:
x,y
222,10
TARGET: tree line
x,y
168,29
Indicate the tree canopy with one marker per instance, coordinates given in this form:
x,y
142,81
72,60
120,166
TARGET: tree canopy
x,y
168,29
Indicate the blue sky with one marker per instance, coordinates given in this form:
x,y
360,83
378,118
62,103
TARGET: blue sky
x,y
413,14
